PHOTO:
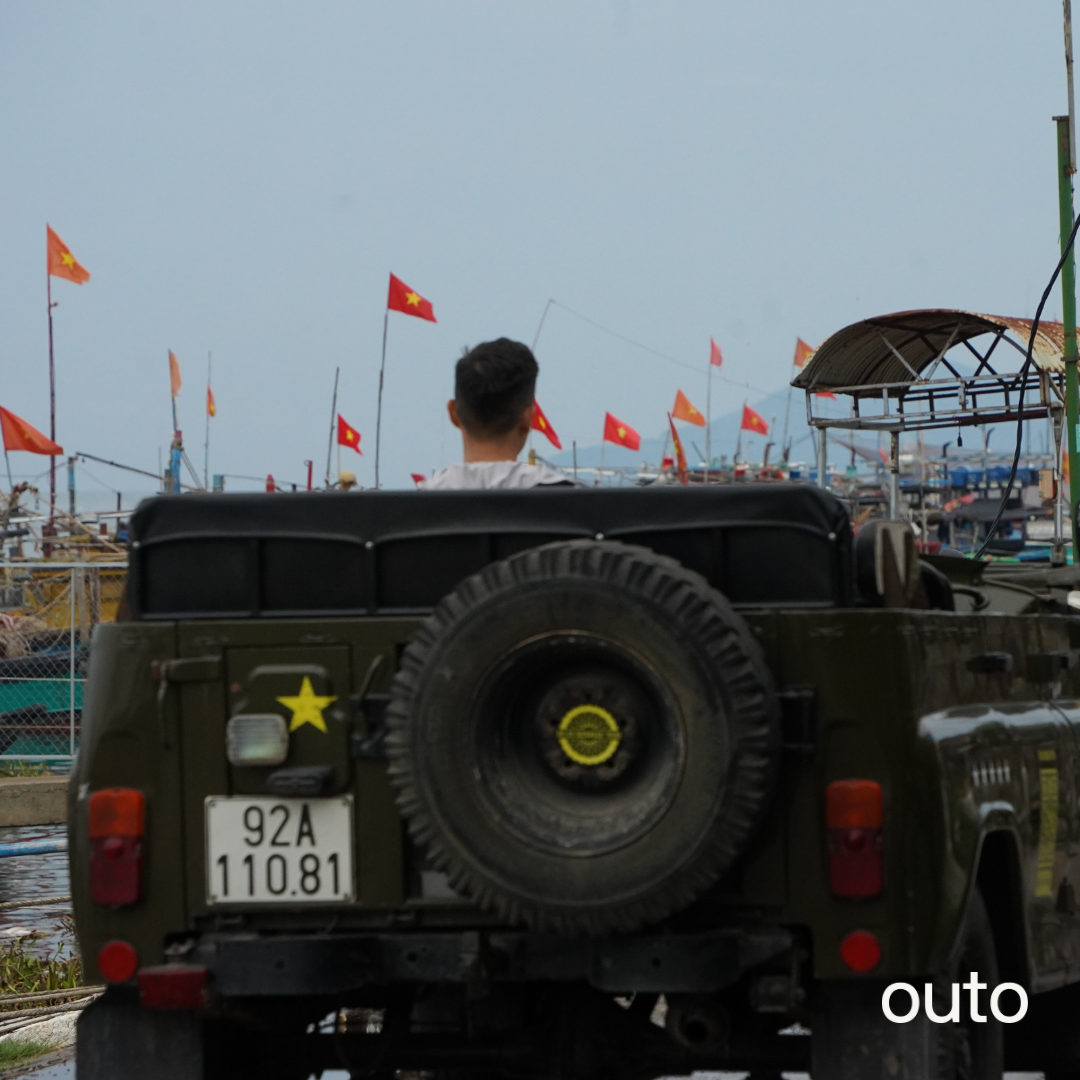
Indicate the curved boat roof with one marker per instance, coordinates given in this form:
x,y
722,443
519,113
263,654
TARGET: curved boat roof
x,y
908,346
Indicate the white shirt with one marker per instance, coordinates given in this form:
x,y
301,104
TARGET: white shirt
x,y
488,475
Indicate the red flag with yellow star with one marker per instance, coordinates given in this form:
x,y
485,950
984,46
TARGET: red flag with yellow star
x,y
803,352
685,411
615,431
409,301
19,435
754,421
61,263
716,357
541,423
348,435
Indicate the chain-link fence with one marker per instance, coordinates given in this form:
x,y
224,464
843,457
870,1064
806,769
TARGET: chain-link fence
x,y
48,613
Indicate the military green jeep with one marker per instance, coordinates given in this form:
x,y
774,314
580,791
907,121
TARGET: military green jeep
x,y
567,783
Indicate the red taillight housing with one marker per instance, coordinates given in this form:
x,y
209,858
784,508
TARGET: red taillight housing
x,y
173,986
117,819
117,961
861,951
854,815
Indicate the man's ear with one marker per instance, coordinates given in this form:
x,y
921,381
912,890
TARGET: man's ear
x,y
451,408
525,423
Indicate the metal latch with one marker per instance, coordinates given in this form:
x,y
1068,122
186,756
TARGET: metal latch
x,y
991,663
798,719
191,670
195,669
1044,667
370,745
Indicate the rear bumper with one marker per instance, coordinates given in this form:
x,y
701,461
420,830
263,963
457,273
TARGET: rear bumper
x,y
319,964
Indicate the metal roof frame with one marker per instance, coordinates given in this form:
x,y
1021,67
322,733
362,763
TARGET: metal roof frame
x,y
887,364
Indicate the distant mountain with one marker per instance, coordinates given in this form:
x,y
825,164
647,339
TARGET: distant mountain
x,y
725,431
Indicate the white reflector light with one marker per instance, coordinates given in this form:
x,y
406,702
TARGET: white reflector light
x,y
257,739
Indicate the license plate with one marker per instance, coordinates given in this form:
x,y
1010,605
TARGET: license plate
x,y
279,851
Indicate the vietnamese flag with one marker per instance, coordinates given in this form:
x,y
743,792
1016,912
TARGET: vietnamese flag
x,y
409,301
685,411
540,423
680,456
19,435
211,404
615,431
803,352
418,478
347,435
825,393
753,421
715,356
61,263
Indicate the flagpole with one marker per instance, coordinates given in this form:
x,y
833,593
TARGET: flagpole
x,y
52,407
333,417
738,438
378,414
206,447
708,424
600,474
172,394
11,483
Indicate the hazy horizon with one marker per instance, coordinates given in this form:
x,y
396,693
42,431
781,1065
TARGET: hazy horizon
x,y
243,178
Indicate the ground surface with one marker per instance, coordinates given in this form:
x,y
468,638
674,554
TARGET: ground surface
x,y
33,800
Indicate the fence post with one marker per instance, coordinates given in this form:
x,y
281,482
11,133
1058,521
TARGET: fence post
x,y
74,576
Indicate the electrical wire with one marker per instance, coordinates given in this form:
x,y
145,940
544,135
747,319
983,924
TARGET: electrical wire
x,y
700,369
1023,383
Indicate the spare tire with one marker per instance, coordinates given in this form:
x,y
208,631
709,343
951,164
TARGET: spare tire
x,y
584,737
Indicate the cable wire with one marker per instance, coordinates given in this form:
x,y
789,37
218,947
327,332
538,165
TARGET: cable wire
x,y
1023,384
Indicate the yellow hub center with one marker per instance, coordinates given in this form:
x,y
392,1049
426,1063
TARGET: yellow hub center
x,y
589,735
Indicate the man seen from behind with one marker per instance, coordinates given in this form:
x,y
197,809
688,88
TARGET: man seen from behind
x,y
492,407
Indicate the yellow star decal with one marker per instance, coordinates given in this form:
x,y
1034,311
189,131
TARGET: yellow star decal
x,y
412,298
67,259
307,707
622,432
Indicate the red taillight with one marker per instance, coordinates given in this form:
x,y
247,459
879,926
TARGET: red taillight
x,y
117,961
853,815
174,986
861,951
117,817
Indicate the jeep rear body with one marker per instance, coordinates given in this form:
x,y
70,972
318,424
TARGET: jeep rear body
x,y
966,721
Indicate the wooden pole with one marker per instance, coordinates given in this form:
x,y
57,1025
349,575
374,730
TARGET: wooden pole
x,y
378,414
206,446
333,419
708,424
52,407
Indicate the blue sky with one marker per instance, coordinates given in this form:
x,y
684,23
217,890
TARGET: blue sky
x,y
241,178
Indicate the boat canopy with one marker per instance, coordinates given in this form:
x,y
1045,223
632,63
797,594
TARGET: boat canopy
x,y
909,346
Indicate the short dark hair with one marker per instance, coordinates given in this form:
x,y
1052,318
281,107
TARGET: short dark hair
x,y
494,384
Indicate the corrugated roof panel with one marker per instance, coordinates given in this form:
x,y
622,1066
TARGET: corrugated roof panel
x,y
899,348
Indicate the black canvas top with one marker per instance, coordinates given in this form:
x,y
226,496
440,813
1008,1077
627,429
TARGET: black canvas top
x,y
396,552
